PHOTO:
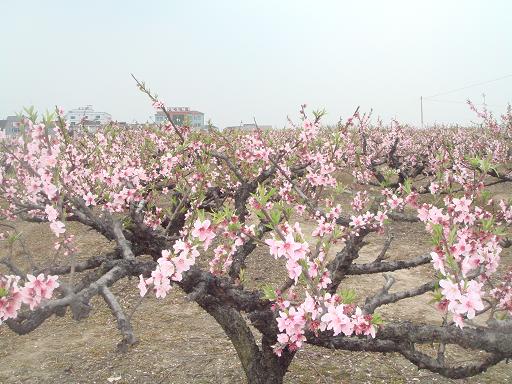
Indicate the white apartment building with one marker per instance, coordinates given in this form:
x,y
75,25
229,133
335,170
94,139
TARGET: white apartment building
x,y
182,116
88,116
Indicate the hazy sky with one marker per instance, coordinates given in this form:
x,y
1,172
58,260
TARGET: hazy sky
x,y
235,60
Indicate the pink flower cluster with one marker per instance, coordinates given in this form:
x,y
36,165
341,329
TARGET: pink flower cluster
x,y
169,268
34,291
318,313
503,293
57,226
294,251
319,173
367,220
466,254
236,236
309,130
461,299
203,231
158,105
360,201
506,212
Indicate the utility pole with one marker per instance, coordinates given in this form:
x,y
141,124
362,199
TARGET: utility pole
x,y
421,105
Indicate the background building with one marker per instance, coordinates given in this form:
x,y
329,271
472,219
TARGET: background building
x,y
182,116
88,116
10,126
248,127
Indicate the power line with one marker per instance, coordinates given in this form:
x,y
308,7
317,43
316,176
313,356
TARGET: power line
x,y
469,86
444,101
461,102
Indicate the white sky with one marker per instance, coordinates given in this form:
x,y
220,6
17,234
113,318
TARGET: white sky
x,y
239,60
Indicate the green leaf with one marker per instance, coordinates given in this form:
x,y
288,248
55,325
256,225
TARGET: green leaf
x,y
437,233
242,276
486,195
377,319
437,296
13,238
269,293
487,224
450,261
275,215
200,214
234,227
475,162
452,236
340,188
127,223
348,296
407,186
319,113
3,292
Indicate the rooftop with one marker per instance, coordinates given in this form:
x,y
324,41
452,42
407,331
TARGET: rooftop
x,y
178,110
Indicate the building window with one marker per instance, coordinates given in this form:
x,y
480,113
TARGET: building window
x,y
72,117
98,116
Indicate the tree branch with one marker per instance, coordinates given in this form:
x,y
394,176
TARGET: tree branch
x,y
123,323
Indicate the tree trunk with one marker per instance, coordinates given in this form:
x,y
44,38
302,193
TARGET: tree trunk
x,y
261,366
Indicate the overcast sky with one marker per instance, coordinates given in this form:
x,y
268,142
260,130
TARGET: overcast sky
x,y
239,60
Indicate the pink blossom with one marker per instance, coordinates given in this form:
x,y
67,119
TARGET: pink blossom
x,y
450,290
275,246
336,320
438,261
162,287
291,248
166,266
357,221
294,269
204,232
470,303
459,320
50,190
90,199
142,286
182,263
433,188
52,213
283,338
182,247
58,228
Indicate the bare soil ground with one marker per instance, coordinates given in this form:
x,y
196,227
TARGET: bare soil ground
x,y
179,343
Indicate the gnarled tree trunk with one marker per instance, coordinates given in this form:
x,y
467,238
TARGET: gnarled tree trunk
x,y
260,364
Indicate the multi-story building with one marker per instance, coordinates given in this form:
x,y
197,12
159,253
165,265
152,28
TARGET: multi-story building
x,y
87,116
248,127
10,126
182,116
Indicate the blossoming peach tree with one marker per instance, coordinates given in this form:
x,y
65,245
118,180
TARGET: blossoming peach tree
x,y
200,206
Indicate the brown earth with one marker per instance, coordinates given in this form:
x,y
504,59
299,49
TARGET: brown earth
x,y
180,343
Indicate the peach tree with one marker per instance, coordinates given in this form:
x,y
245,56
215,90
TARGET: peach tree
x,y
199,203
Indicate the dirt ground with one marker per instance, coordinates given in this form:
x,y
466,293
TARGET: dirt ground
x,y
179,343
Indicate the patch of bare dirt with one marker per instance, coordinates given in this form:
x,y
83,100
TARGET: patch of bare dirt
x,y
180,343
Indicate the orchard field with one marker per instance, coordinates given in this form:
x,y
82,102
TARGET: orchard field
x,y
357,253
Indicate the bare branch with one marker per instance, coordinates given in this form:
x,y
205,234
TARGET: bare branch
x,y
123,323
383,297
121,241
387,266
387,244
